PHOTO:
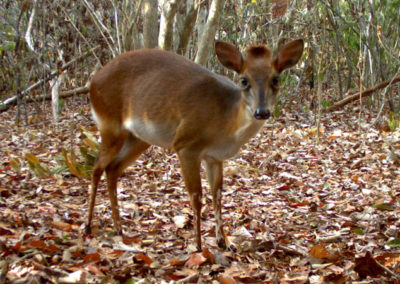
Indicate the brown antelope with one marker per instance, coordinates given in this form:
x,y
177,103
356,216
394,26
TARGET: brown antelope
x,y
154,97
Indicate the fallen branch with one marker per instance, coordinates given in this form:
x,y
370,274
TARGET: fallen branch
x,y
70,93
5,105
66,94
354,96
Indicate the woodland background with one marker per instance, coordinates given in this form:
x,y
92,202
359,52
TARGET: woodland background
x,y
313,199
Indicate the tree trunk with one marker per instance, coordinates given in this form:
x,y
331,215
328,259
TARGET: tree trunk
x,y
189,22
150,23
168,12
131,39
207,37
55,96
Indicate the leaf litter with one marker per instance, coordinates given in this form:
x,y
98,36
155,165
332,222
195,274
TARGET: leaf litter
x,y
295,211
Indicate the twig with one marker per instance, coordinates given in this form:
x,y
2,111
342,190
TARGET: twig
x,y
77,30
100,26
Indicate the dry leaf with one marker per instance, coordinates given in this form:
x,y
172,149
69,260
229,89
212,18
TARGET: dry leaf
x,y
319,251
145,258
225,279
196,259
62,226
180,221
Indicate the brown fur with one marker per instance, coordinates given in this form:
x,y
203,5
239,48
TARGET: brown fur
x,y
156,97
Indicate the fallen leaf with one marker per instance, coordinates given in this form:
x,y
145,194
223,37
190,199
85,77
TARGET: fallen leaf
x,y
176,262
145,258
91,257
225,279
180,221
94,268
319,251
208,255
78,276
196,259
62,226
115,254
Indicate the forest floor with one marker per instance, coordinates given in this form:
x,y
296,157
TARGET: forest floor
x,y
297,210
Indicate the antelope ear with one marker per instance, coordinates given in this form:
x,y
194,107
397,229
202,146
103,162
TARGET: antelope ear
x,y
229,56
289,55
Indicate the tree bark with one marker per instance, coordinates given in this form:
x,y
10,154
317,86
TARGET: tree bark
x,y
207,38
150,23
189,22
28,34
131,39
169,8
55,96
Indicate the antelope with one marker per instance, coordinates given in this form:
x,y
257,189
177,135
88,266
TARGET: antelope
x,y
155,97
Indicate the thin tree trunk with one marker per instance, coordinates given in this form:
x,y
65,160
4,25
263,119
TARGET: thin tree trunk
x,y
55,96
337,48
169,9
150,23
131,39
28,34
190,20
207,38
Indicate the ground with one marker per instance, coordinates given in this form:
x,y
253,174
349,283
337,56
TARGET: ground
x,y
296,209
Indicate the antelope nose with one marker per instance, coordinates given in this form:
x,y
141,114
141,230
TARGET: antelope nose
x,y
262,113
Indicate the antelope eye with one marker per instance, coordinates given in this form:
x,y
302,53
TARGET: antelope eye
x,y
275,81
244,82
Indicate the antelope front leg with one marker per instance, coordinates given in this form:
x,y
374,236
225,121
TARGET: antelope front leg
x,y
214,175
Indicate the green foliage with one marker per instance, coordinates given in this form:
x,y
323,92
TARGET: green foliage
x,y
325,103
394,243
277,109
358,231
38,168
61,105
67,161
287,79
89,148
15,164
384,206
393,121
